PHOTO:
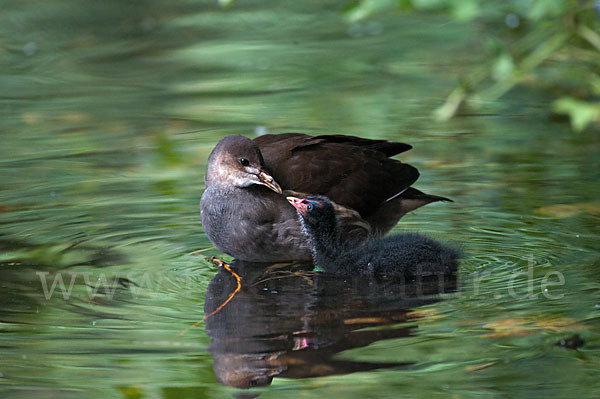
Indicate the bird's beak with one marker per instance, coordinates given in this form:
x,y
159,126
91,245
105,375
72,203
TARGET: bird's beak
x,y
296,202
293,200
267,180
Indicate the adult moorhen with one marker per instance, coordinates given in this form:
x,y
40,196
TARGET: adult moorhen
x,y
400,255
246,216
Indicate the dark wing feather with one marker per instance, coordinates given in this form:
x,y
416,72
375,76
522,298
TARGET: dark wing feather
x,y
389,148
299,141
353,172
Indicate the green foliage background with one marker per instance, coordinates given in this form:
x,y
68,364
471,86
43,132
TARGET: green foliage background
x,y
549,45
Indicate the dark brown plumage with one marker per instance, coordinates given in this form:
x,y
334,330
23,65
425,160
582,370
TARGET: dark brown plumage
x,y
245,214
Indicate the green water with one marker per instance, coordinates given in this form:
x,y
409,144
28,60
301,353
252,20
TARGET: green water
x,y
108,111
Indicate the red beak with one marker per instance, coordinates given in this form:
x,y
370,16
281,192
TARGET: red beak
x,y
298,203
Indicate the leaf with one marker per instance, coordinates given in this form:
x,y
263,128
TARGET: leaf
x,y
357,11
581,113
563,211
465,10
512,327
508,328
503,67
546,8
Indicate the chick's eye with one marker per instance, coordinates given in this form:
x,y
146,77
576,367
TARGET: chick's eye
x,y
308,205
244,162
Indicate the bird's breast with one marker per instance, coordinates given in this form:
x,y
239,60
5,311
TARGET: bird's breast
x,y
238,222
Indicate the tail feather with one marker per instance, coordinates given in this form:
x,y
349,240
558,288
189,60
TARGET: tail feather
x,y
399,205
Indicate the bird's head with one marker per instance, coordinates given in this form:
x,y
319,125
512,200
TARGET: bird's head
x,y
315,211
236,161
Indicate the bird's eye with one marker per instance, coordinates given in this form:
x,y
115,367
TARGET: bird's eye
x,y
308,205
244,162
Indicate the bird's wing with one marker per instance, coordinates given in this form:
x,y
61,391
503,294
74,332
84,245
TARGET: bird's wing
x,y
353,172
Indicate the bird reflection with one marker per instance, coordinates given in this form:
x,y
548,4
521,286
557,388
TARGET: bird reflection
x,y
287,321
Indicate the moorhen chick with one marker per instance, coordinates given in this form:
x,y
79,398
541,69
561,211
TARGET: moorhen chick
x,y
400,255
246,216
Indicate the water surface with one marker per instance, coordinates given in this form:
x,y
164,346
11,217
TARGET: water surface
x,y
108,113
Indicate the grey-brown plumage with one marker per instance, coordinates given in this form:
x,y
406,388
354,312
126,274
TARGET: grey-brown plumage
x,y
244,211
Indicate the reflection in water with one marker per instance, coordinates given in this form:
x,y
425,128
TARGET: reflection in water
x,y
290,322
